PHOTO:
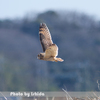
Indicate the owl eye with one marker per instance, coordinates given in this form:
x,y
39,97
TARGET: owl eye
x,y
38,55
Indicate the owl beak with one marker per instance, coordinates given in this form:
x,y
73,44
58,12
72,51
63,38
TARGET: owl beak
x,y
38,57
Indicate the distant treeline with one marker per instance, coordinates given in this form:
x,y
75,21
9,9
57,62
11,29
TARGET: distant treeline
x,y
78,38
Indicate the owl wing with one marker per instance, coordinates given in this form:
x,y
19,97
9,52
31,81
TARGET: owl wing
x,y
51,51
45,37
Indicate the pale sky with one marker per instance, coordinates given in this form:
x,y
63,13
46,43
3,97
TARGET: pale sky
x,y
18,8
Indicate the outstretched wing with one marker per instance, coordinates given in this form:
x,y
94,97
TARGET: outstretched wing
x,y
45,37
51,51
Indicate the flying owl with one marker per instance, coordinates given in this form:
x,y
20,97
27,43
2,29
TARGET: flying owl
x,y
50,50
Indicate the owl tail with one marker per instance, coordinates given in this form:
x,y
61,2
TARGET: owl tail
x,y
59,59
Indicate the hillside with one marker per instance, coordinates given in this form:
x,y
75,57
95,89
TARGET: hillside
x,y
78,38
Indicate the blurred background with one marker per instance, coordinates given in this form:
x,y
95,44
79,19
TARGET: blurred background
x,y
74,27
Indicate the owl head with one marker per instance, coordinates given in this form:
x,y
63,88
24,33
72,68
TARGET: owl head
x,y
40,56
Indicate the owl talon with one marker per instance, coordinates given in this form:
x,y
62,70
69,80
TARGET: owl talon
x,y
56,61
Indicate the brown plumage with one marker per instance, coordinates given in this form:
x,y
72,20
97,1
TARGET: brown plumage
x,y
50,50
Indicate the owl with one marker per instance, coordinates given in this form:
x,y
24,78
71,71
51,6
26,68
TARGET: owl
x,y
50,50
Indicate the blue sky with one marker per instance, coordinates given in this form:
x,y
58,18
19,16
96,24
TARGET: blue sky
x,y
18,8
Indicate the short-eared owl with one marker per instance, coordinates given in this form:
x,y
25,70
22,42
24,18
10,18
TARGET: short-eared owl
x,y
49,48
